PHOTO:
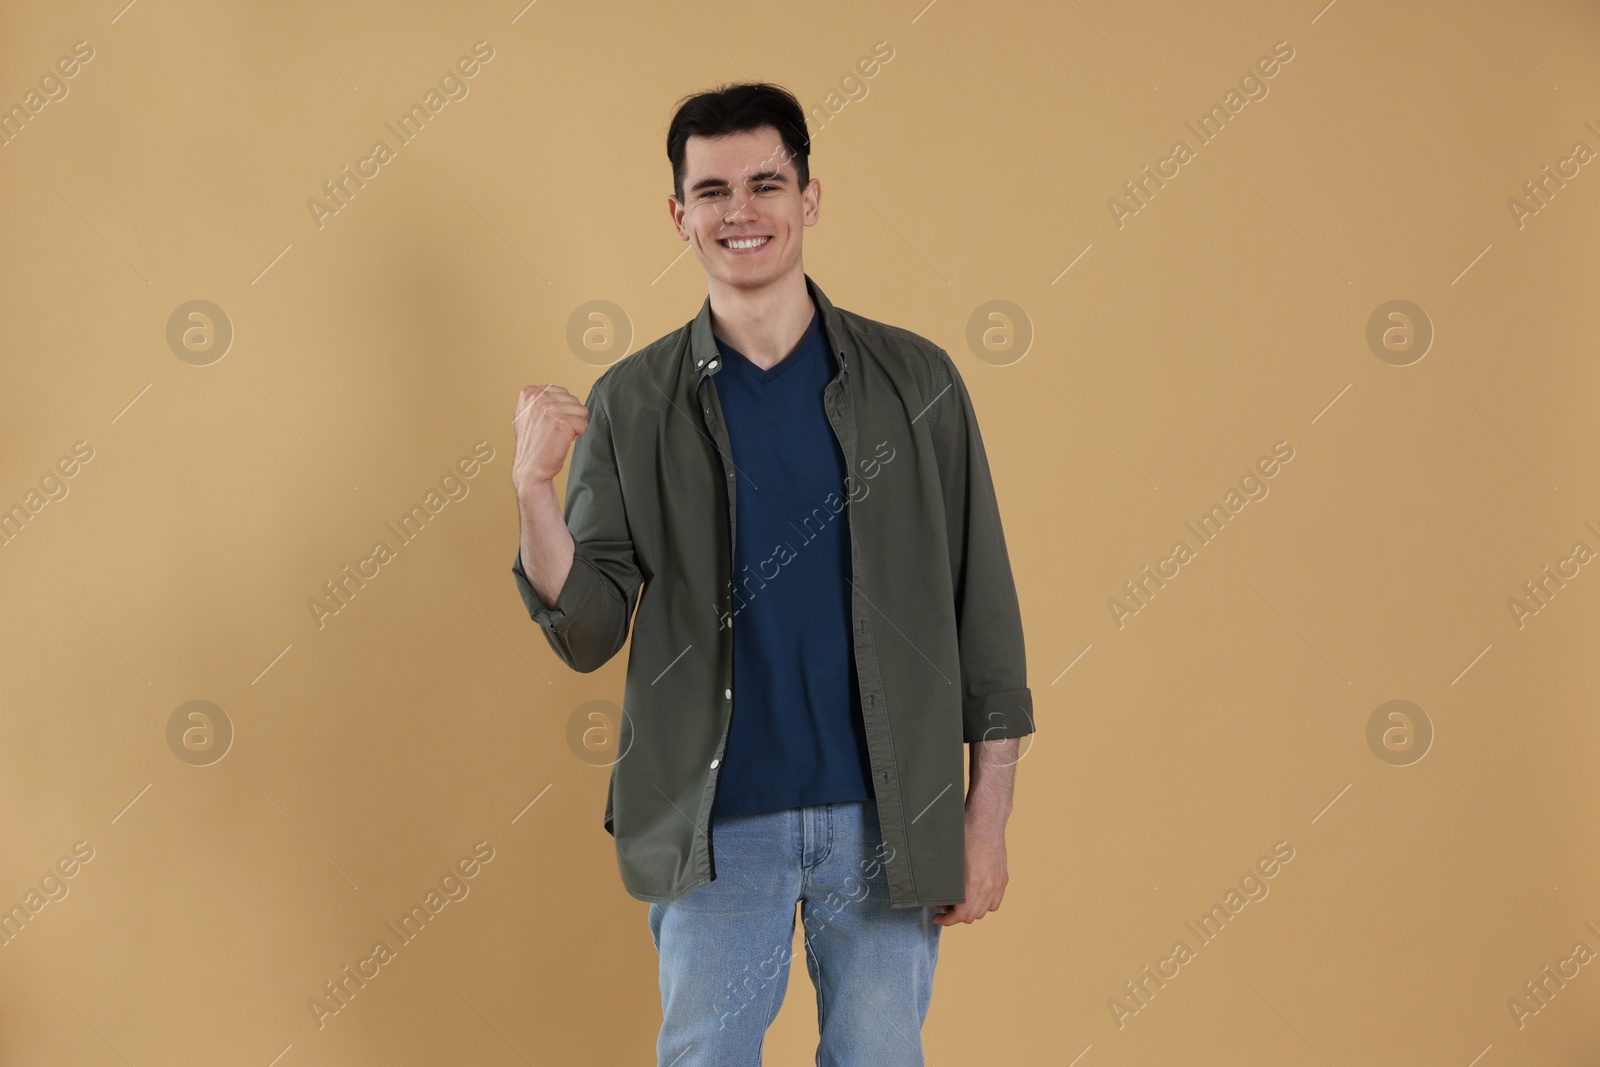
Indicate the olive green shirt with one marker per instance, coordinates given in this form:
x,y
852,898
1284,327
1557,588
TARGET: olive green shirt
x,y
937,630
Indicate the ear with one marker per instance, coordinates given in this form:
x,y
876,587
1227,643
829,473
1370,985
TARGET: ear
x,y
675,210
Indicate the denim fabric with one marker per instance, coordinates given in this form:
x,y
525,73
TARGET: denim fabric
x,y
725,947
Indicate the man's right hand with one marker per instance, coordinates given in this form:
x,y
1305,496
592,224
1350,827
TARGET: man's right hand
x,y
548,420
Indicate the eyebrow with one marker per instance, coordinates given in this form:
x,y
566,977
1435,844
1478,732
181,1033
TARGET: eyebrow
x,y
758,176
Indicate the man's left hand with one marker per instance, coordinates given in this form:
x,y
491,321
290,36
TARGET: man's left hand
x,y
986,873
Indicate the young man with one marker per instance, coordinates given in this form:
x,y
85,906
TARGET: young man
x,y
827,615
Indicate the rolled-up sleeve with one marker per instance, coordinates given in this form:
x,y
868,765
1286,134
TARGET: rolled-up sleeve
x,y
589,623
995,699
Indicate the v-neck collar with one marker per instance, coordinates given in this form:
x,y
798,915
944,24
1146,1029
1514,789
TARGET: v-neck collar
x,y
808,340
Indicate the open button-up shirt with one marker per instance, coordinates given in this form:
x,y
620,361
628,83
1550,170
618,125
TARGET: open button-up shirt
x,y
937,630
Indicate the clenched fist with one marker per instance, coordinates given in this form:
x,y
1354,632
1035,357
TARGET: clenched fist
x,y
548,420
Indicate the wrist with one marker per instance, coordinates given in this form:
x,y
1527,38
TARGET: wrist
x,y
988,817
538,494
986,833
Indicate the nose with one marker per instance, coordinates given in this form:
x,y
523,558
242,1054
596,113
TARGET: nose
x,y
738,208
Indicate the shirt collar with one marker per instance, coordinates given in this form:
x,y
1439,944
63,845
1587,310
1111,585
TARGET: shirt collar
x,y
705,358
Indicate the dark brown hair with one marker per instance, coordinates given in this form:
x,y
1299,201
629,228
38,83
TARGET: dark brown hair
x,y
739,108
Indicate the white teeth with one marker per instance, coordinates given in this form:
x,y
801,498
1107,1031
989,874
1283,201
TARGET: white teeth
x,y
754,242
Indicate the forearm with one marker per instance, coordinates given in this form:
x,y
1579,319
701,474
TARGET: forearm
x,y
993,776
547,546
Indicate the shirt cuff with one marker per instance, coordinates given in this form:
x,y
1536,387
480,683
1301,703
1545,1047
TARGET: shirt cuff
x,y
997,716
582,586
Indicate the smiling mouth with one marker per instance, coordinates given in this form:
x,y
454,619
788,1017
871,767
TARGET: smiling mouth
x,y
745,244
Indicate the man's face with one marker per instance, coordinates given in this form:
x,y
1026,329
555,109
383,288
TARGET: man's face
x,y
744,186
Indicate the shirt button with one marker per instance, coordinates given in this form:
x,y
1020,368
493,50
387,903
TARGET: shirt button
x,y
728,693
714,763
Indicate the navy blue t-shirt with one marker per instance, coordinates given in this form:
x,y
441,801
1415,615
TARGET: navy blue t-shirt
x,y
797,735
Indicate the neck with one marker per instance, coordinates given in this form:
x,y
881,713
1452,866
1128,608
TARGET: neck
x,y
764,324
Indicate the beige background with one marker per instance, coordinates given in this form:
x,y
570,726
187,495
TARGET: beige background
x,y
372,353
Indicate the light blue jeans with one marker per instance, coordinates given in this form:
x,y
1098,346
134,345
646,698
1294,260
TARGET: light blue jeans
x,y
725,947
